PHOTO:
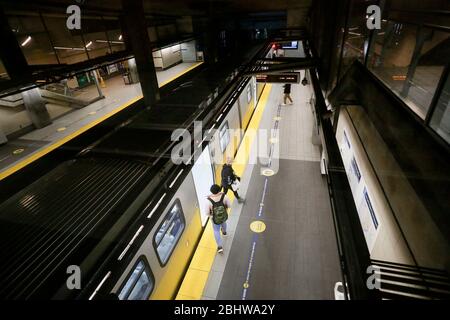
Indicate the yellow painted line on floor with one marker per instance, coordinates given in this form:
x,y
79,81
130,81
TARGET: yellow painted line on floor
x,y
53,146
40,153
193,284
180,74
196,277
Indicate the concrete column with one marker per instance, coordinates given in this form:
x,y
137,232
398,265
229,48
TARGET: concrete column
x,y
3,138
11,54
211,42
422,36
136,38
134,75
95,75
36,108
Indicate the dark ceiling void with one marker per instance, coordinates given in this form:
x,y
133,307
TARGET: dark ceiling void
x,y
170,8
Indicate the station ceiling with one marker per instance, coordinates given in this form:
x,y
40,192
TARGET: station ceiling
x,y
174,7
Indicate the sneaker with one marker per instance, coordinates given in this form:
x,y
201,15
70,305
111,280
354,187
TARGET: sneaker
x,y
219,250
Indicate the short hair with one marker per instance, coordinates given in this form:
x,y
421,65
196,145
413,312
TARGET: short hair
x,y
215,189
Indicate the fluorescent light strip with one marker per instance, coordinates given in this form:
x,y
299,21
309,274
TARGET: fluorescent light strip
x,y
67,48
104,41
89,44
176,178
219,117
100,285
131,242
156,206
26,41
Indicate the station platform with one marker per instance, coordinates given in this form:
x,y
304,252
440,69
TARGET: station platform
x,y
69,123
281,242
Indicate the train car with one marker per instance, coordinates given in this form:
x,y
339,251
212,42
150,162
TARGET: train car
x,y
157,268
120,221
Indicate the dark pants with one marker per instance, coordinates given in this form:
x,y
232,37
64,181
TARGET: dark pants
x,y
226,188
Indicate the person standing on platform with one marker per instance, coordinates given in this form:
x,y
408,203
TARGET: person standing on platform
x,y
217,209
287,94
229,178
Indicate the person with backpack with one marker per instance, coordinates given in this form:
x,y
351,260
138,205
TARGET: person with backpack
x,y
228,178
217,208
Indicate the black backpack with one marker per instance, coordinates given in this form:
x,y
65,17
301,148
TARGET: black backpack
x,y
219,211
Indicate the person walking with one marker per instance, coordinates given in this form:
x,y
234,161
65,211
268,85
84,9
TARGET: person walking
x,y
217,209
287,93
228,178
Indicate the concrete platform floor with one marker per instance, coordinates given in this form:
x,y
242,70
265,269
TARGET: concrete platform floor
x,y
296,256
68,123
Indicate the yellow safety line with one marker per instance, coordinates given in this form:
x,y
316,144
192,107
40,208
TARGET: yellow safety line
x,y
33,157
180,74
197,274
59,143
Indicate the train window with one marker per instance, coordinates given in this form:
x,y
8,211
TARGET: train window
x,y
224,136
169,232
139,284
249,93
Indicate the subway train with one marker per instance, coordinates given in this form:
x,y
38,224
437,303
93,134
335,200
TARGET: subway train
x,y
121,220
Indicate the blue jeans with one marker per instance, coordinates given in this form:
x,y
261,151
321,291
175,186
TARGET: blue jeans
x,y
216,228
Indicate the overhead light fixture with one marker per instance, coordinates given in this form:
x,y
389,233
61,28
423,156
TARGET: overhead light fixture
x,y
104,41
68,48
89,44
120,37
26,41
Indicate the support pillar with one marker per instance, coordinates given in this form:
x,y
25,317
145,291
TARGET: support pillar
x,y
134,75
11,54
3,138
136,38
421,36
36,109
95,75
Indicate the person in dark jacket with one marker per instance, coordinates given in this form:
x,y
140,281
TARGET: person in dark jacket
x,y
228,177
287,93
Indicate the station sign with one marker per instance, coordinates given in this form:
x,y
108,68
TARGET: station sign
x,y
291,77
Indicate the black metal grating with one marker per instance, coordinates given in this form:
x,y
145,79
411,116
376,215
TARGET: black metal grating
x,y
43,224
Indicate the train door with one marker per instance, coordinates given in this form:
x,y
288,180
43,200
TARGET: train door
x,y
203,174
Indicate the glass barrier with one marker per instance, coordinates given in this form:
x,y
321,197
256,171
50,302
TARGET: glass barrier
x,y
94,36
33,39
440,120
69,46
409,59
